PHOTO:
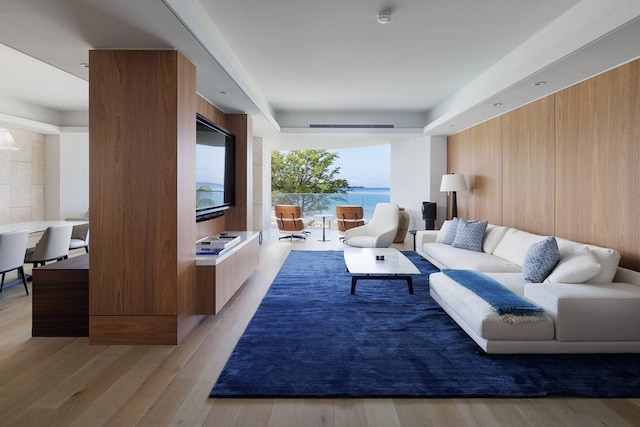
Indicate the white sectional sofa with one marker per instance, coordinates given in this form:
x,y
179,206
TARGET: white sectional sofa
x,y
591,304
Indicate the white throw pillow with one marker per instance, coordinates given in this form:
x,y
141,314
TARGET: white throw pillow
x,y
443,231
576,267
607,257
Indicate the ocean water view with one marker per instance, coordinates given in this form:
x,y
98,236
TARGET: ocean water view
x,y
315,203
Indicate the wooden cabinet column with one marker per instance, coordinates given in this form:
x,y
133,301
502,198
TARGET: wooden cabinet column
x,y
142,109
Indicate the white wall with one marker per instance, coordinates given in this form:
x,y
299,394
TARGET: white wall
x,y
417,167
67,175
261,185
22,179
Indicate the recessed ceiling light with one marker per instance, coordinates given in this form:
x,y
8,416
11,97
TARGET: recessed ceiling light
x,y
84,64
384,17
540,83
497,104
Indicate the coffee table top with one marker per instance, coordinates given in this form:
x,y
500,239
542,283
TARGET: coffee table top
x,y
363,261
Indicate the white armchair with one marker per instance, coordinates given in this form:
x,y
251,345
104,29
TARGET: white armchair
x,y
377,233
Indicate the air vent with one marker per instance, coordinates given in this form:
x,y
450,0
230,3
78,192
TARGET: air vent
x,y
350,126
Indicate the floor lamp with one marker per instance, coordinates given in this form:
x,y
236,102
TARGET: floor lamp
x,y
451,183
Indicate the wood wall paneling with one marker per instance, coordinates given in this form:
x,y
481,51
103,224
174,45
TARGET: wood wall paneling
x,y
485,171
569,164
597,174
142,204
206,109
133,330
237,218
458,162
528,167
186,177
137,176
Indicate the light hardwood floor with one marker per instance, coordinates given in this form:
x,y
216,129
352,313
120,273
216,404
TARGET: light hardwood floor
x,y
67,382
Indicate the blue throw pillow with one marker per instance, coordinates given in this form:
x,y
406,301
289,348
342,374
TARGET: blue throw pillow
x,y
540,260
469,235
451,232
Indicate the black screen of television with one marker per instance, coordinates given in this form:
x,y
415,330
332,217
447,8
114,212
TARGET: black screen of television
x,y
215,152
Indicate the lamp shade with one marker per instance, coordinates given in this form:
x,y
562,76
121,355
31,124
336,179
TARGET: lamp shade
x,y
453,182
6,140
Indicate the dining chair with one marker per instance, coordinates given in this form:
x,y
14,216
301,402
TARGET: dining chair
x,y
53,245
80,237
13,246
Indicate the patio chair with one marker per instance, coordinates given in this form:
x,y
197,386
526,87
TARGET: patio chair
x,y
288,218
349,216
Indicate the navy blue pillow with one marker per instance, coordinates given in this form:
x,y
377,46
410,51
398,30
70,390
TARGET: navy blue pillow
x,y
540,260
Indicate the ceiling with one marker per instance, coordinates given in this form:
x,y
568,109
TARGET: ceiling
x,y
437,67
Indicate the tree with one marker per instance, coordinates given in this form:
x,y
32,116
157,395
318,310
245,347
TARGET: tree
x,y
298,176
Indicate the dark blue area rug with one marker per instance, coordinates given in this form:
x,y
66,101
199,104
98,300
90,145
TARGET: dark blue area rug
x,y
311,338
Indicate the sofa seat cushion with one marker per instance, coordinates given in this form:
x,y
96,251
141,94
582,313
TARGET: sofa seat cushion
x,y
590,311
481,317
447,256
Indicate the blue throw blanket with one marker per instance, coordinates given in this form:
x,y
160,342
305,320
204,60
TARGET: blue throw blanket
x,y
503,300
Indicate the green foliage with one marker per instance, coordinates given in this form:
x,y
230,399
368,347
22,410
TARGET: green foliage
x,y
306,171
297,177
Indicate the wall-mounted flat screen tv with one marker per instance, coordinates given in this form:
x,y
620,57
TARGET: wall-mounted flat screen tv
x,y
215,168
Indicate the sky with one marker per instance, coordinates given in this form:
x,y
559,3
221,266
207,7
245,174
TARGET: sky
x,y
365,166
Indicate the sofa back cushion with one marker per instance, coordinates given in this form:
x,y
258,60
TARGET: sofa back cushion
x,y
443,231
607,257
514,245
492,237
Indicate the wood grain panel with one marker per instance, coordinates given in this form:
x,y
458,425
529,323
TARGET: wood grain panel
x,y
60,297
186,176
206,289
240,215
569,164
528,167
485,171
212,113
129,330
216,285
134,191
206,109
597,175
210,227
231,274
458,162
